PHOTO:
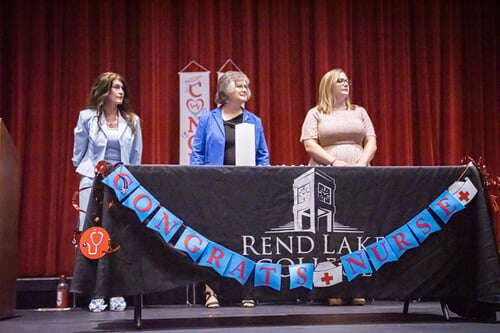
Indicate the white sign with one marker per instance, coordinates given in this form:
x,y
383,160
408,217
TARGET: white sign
x,y
194,88
244,145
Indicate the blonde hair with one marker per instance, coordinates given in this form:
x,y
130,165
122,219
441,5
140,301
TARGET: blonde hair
x,y
226,85
326,97
100,90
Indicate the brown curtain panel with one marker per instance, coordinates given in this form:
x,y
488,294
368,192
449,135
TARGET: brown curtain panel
x,y
426,71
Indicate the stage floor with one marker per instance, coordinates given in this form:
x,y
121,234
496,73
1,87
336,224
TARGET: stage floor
x,y
377,317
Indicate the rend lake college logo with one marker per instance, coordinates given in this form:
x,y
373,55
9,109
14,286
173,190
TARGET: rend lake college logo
x,y
314,206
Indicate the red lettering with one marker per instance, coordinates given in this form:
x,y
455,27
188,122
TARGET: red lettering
x,y
138,198
190,143
124,177
192,124
191,89
423,225
444,206
302,275
375,252
360,263
399,241
268,273
214,256
166,223
241,267
188,239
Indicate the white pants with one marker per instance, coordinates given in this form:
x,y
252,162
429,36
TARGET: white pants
x,y
83,199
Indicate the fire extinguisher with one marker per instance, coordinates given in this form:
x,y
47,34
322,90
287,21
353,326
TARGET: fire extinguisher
x,y
62,292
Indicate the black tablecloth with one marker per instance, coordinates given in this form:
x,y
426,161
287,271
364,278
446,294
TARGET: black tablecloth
x,y
249,209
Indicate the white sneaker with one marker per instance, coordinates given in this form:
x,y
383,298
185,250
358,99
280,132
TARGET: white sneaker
x,y
117,304
97,305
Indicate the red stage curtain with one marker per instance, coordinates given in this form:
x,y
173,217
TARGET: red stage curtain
x,y
426,71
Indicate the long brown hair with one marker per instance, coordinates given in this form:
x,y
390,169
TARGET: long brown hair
x,y
100,90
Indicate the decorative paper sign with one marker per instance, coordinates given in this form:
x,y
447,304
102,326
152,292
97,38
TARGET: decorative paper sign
x,y
463,191
380,253
216,256
445,206
122,182
327,274
165,223
194,89
268,275
356,263
94,242
301,276
192,242
142,203
244,145
239,268
401,240
423,225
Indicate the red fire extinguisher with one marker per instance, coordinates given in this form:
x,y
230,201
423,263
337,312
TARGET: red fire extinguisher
x,y
62,293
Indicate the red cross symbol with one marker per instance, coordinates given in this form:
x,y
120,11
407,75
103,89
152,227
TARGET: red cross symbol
x,y
464,196
327,278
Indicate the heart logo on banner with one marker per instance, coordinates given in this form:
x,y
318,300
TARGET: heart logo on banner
x,y
194,105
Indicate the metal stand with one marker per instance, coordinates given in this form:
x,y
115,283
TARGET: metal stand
x,y
193,300
406,306
138,310
444,309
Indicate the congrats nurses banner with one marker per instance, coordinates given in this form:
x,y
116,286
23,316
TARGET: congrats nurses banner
x,y
194,89
351,232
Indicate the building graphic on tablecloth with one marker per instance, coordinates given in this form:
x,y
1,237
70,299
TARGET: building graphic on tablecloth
x,y
314,205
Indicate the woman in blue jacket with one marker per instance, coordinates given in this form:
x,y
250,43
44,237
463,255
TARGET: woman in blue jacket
x,y
108,130
214,141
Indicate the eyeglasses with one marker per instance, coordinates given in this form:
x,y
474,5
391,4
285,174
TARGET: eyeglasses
x,y
342,81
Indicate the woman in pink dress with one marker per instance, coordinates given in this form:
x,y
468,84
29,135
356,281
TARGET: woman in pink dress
x,y
338,133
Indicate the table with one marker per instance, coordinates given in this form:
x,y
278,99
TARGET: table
x,y
266,213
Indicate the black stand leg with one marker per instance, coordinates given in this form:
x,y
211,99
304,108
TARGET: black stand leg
x,y
138,310
446,312
405,306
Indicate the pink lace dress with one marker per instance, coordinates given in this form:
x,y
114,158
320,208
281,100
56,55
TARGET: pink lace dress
x,y
340,133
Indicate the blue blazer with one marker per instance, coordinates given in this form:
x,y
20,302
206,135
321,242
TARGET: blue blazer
x,y
90,142
210,139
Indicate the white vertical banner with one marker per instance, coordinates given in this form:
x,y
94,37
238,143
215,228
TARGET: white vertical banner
x,y
194,88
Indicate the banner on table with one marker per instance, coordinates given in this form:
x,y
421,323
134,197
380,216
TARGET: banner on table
x,y
239,268
268,275
301,276
193,243
142,203
445,206
230,264
194,89
216,256
327,274
122,182
165,223
380,253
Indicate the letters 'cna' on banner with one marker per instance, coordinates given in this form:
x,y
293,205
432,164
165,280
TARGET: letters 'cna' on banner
x,y
194,89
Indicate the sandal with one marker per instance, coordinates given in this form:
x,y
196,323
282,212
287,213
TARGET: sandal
x,y
248,303
335,301
211,301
